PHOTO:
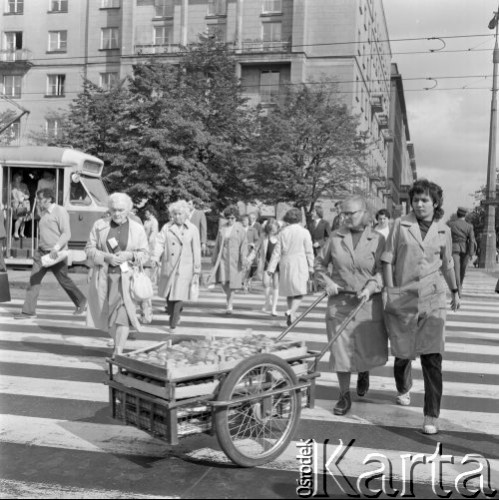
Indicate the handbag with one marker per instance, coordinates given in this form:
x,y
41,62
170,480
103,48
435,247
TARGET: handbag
x,y
140,285
48,261
194,289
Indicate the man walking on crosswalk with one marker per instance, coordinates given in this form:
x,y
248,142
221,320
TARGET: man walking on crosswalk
x,y
54,233
463,245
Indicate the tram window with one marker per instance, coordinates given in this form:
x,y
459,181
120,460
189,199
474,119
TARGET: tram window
x,y
78,194
96,189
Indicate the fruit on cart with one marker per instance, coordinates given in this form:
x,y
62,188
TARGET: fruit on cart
x,y
210,351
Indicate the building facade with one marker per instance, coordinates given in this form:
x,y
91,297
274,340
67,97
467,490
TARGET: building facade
x,y
401,154
276,43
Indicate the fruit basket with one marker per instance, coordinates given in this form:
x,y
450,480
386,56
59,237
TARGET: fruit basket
x,y
247,391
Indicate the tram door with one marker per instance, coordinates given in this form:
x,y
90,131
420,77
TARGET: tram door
x,y
22,223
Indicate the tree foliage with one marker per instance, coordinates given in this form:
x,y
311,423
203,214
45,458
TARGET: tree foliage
x,y
307,147
182,129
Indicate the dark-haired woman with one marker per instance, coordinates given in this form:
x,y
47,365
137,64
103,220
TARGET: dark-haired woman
x,y
230,254
418,252
294,254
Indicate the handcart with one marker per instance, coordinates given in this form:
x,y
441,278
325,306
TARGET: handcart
x,y
253,406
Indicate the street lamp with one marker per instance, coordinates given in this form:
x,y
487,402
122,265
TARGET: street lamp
x,y
487,257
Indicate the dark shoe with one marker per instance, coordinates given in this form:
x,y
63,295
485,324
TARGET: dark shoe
x,y
24,316
288,318
362,383
343,404
81,308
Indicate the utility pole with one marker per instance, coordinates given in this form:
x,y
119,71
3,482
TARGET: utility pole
x,y
487,257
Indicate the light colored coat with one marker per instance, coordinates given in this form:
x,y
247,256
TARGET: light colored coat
x,y
233,256
295,255
96,249
181,258
363,344
415,310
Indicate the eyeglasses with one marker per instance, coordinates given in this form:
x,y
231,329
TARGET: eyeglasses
x,y
351,214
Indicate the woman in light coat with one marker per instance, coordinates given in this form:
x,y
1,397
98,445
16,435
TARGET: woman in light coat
x,y
230,255
179,248
294,254
418,252
114,245
354,251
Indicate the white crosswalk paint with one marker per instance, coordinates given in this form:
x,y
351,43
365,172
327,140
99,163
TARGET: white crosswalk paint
x,y
479,309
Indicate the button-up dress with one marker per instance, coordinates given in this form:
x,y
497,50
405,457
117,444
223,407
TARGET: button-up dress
x,y
363,344
416,305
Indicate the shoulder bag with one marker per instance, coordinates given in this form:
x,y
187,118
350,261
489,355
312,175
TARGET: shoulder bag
x,y
140,284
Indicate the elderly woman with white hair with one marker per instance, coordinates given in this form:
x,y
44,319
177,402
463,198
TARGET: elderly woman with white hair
x,y
354,252
115,244
178,246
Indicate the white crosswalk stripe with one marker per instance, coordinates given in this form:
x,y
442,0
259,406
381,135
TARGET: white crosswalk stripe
x,y
58,341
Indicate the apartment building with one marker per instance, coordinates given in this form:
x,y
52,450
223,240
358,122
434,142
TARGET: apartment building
x,y
401,155
48,46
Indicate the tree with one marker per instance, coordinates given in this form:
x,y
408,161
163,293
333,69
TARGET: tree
x,y
307,146
170,131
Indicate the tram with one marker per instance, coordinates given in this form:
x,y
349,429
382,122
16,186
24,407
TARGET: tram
x,y
76,179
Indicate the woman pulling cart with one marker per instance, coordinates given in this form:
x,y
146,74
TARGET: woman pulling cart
x,y
354,250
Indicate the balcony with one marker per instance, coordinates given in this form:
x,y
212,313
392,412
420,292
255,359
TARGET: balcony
x,y
15,59
150,48
382,121
387,135
377,103
265,46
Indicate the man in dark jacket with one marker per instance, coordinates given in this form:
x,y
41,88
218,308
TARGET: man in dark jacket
x,y
463,244
319,229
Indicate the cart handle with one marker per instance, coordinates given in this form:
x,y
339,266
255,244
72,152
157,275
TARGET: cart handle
x,y
302,315
339,331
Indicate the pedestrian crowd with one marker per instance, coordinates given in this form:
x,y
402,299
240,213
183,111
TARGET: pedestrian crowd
x,y
394,272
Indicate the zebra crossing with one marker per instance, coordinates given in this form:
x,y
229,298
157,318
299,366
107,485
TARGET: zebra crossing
x,y
53,402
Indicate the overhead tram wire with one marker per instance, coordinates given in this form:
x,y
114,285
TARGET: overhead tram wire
x,y
352,42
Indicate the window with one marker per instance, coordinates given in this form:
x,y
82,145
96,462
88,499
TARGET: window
x,y
78,195
217,31
96,189
271,6
11,136
163,8
13,40
271,34
107,80
217,7
15,7
269,85
53,127
58,41
12,86
58,6
110,4
109,38
161,35
55,85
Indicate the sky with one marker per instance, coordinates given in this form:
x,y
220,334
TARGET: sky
x,y
449,128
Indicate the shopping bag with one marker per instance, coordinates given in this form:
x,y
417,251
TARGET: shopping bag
x,y
4,287
140,285
48,261
194,289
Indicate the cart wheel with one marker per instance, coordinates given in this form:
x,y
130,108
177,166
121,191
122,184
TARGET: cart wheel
x,y
255,432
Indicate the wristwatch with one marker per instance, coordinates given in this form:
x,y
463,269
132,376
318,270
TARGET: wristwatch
x,y
455,290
